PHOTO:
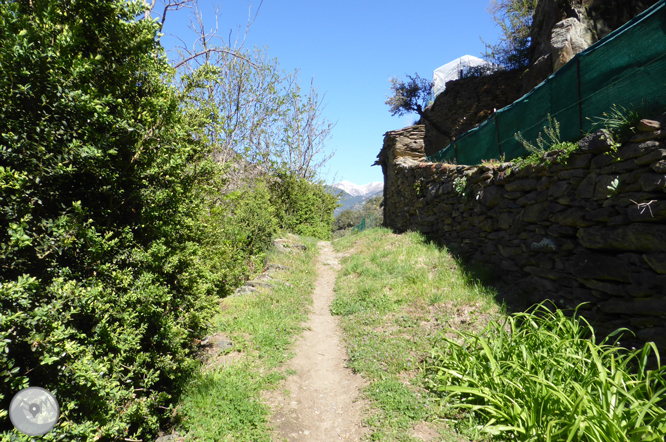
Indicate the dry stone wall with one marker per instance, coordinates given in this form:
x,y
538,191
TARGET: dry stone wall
x,y
551,231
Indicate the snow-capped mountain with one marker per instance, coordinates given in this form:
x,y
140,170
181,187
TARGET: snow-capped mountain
x,y
356,190
352,196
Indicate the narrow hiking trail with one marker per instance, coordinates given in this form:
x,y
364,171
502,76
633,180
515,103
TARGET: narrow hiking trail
x,y
320,402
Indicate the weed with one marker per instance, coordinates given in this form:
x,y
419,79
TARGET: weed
x,y
494,162
418,188
540,376
459,185
552,132
613,188
552,143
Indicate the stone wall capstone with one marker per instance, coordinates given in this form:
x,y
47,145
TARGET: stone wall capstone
x,y
552,231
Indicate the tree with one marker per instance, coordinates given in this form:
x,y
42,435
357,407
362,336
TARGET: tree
x,y
515,19
346,219
257,110
412,96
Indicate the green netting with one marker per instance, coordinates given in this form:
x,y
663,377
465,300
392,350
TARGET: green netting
x,y
368,222
627,68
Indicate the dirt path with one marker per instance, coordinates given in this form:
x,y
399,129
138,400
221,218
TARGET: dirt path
x,y
320,402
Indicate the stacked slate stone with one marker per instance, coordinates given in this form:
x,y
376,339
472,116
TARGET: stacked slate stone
x,y
591,228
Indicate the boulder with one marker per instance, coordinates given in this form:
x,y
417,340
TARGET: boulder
x,y
569,37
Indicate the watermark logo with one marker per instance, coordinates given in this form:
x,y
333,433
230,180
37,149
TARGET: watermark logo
x,y
34,411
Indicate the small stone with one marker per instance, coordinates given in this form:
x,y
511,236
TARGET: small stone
x,y
586,187
545,273
545,245
492,196
610,288
535,213
638,237
654,334
559,189
530,198
659,166
621,167
654,155
599,266
598,142
635,306
578,161
603,215
630,151
571,173
648,125
651,181
571,218
647,136
601,161
521,185
657,261
513,195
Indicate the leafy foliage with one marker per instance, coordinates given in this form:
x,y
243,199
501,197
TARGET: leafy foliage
x,y
303,207
114,239
411,96
515,19
553,143
103,288
540,376
371,211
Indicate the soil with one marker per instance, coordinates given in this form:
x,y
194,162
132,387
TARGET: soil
x,y
320,402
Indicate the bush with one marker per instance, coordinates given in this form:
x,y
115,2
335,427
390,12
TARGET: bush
x,y
104,284
114,240
303,207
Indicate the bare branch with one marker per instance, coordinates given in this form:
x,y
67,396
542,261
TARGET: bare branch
x,y
211,51
174,6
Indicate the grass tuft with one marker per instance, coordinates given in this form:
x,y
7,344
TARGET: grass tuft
x,y
539,376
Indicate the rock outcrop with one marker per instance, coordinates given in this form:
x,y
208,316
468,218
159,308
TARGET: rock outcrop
x,y
563,28
466,103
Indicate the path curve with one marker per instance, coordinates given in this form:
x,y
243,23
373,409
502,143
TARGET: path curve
x,y
322,403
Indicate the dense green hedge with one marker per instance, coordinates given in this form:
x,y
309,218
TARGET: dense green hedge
x,y
113,242
303,207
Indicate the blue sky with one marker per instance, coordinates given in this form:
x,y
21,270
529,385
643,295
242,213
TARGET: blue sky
x,y
351,49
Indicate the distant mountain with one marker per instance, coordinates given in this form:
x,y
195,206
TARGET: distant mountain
x,y
356,190
353,196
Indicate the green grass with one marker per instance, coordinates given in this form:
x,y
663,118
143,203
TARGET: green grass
x,y
540,376
223,403
393,293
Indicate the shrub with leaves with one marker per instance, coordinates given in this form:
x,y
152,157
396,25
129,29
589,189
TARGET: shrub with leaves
x,y
104,284
303,207
541,376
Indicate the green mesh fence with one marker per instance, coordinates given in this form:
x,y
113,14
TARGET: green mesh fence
x,y
368,222
627,68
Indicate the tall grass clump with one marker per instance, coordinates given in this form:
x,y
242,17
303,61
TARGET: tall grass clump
x,y
540,376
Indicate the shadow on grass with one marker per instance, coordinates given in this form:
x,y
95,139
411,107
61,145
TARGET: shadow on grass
x,y
507,293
